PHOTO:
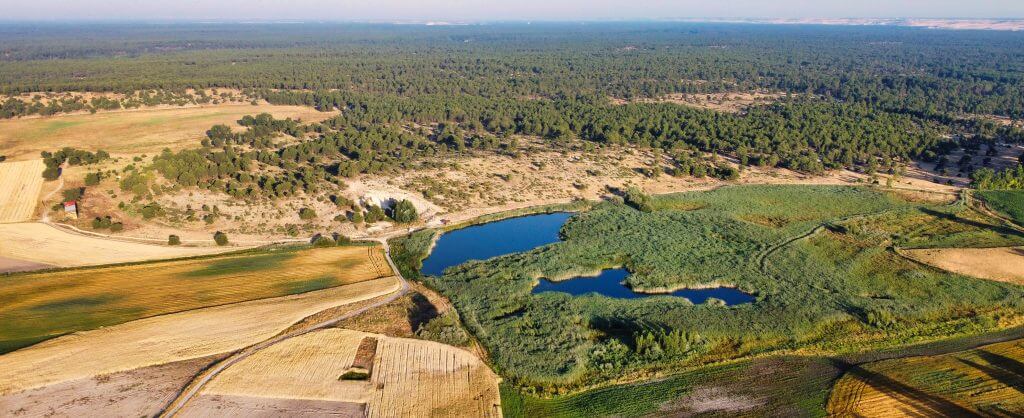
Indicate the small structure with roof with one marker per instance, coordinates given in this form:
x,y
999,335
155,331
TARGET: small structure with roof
x,y
71,209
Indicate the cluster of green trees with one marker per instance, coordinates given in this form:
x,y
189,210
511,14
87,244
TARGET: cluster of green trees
x,y
36,105
54,160
930,72
989,179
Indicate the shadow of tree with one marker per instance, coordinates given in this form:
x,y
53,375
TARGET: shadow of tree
x,y
421,312
1003,369
916,402
951,217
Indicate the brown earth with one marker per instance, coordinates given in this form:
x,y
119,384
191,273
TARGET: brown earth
x,y
1000,264
140,392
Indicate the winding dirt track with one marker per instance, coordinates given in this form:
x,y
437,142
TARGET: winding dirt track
x,y
194,387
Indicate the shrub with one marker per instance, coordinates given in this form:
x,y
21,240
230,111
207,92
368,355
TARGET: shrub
x,y
116,227
323,241
404,212
74,194
51,173
220,238
101,223
92,179
152,210
638,200
173,240
307,214
374,214
341,239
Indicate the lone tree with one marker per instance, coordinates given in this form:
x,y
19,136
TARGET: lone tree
x,y
220,238
404,212
173,240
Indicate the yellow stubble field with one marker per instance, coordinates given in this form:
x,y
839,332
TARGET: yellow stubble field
x,y
132,131
410,378
20,183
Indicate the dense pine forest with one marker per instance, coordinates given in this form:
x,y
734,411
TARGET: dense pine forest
x,y
859,97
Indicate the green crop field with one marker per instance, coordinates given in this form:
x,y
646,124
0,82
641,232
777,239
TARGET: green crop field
x,y
819,261
39,306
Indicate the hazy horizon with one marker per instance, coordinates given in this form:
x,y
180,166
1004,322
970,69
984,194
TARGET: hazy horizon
x,y
482,11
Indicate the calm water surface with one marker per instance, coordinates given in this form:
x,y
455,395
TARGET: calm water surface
x,y
481,242
609,283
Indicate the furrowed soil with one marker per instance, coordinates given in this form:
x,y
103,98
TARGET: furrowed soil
x,y
20,183
132,131
171,338
409,378
37,306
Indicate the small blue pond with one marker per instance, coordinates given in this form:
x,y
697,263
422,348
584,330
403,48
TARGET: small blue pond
x,y
609,283
481,242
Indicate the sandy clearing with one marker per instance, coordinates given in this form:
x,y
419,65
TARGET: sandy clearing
x,y
133,131
41,243
20,183
10,265
410,377
174,337
1000,264
139,392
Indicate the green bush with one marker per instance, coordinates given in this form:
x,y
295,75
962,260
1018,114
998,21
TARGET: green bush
x,y
173,240
307,214
92,179
405,212
323,241
116,227
220,238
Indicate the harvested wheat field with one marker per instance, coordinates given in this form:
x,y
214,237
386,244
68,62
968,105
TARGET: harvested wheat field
x,y
1004,264
37,306
20,183
982,382
45,244
171,338
132,131
409,377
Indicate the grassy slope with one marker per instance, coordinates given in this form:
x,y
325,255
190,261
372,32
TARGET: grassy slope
x,y
38,306
1009,203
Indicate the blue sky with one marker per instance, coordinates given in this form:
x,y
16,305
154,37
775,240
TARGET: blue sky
x,y
497,10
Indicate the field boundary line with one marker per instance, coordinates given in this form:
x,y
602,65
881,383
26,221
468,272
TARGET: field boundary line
x,y
195,386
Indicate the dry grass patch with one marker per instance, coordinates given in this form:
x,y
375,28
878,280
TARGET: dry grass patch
x,y
174,337
409,377
132,131
1004,264
20,183
722,102
41,243
983,382
37,306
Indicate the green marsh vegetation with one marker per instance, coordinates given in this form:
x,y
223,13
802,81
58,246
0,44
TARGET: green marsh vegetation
x,y
821,261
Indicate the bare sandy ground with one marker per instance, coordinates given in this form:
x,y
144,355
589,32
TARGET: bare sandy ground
x,y
45,244
139,392
253,406
1000,264
170,338
410,378
10,265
